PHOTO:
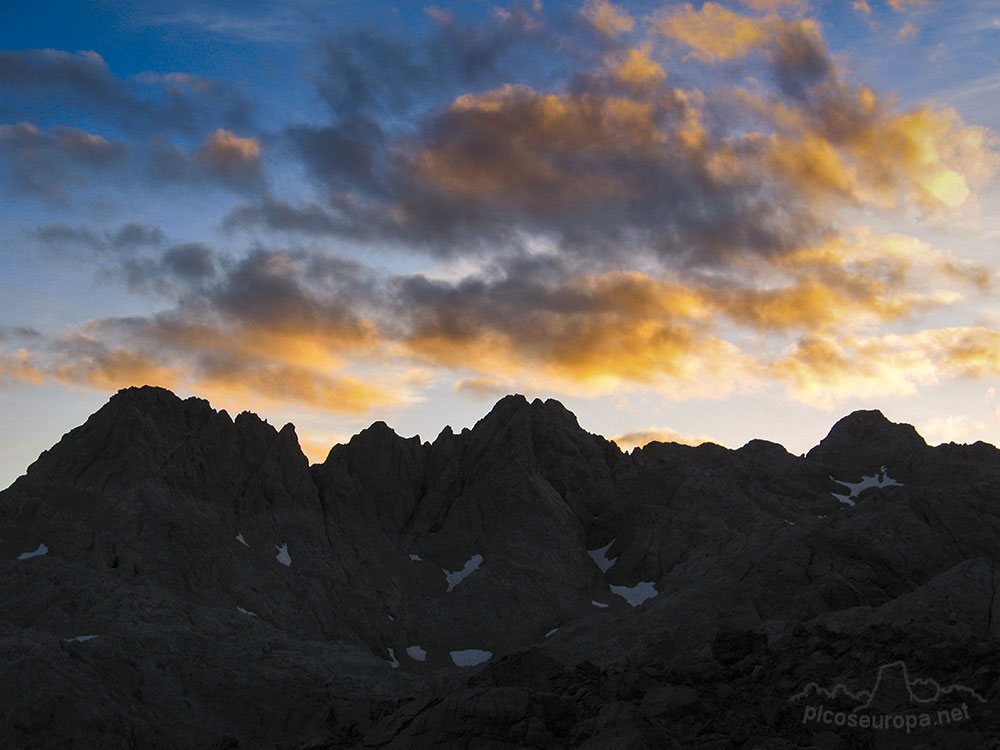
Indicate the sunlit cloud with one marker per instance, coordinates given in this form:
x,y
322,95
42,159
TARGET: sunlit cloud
x,y
640,438
822,369
229,154
608,18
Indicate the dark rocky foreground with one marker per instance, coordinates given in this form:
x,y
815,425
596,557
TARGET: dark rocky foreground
x,y
461,593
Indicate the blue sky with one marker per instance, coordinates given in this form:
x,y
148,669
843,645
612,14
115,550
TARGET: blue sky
x,y
687,221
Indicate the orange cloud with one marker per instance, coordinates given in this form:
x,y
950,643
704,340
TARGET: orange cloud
x,y
823,368
774,5
715,33
17,368
639,438
229,154
594,332
608,18
532,137
636,69
849,143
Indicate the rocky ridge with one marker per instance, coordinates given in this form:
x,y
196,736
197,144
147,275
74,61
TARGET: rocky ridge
x,y
520,584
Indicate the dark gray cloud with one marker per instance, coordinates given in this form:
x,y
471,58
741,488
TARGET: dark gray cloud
x,y
270,213
799,60
19,334
192,261
132,237
49,83
53,163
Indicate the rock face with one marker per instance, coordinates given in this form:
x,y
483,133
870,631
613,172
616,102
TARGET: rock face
x,y
174,578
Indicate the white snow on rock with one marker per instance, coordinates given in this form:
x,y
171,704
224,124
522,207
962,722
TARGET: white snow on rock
x,y
391,618
470,567
80,638
416,653
470,657
602,605
636,595
246,612
600,556
393,661
42,550
551,632
282,555
415,558
241,540
881,479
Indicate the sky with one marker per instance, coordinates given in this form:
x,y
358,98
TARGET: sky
x,y
708,221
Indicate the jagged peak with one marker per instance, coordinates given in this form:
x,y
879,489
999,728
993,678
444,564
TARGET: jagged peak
x,y
865,440
870,424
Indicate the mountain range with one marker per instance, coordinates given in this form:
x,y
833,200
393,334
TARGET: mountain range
x,y
171,577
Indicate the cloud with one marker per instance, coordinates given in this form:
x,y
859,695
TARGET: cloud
x,y
223,159
305,328
592,230
823,368
81,241
61,165
55,82
716,33
230,156
53,163
279,216
636,69
482,386
902,5
135,235
607,18
619,166
774,5
640,438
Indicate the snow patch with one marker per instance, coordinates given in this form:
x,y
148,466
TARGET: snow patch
x,y
80,638
42,550
600,557
470,657
602,605
246,612
241,540
880,479
393,661
636,595
470,567
282,555
415,558
551,632
790,523
416,653
391,618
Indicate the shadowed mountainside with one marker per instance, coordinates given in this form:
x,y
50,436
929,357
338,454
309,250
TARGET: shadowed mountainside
x,y
520,584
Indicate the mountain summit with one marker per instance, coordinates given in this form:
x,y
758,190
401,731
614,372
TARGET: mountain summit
x,y
184,579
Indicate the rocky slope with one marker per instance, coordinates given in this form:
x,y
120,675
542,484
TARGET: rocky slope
x,y
174,578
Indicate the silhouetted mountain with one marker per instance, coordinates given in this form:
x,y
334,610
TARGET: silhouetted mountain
x,y
520,584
